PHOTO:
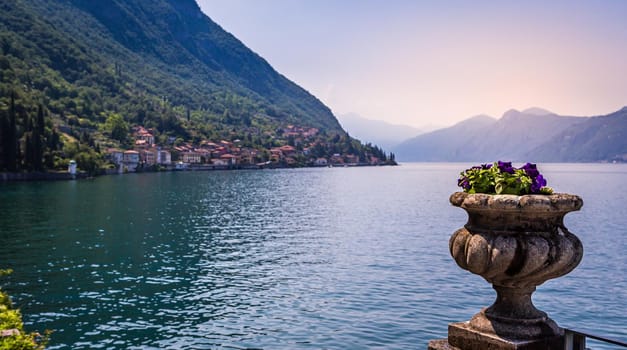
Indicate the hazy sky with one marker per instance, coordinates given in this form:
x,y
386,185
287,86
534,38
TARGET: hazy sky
x,y
438,62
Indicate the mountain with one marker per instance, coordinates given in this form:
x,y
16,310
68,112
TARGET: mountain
x,y
449,144
158,48
377,132
93,70
533,135
602,138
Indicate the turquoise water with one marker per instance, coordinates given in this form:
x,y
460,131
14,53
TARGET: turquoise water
x,y
332,258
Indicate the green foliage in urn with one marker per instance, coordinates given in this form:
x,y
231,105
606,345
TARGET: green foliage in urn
x,y
502,178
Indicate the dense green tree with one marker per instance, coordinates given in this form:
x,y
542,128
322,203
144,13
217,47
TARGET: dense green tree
x,y
4,127
117,127
29,152
38,144
11,145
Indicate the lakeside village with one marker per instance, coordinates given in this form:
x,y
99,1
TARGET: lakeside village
x,y
146,155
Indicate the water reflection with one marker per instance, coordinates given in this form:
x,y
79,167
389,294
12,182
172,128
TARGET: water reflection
x,y
309,258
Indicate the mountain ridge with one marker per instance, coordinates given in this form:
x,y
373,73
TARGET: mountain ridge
x,y
531,135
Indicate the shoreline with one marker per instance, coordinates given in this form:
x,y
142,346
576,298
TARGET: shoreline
x,y
65,176
41,176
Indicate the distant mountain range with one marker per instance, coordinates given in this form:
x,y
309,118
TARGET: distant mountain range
x,y
534,135
378,132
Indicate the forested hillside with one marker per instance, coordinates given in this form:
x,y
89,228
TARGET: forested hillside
x,y
76,77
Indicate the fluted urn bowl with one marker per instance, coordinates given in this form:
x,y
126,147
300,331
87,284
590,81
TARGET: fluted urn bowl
x,y
516,243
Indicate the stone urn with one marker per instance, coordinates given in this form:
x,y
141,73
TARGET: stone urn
x,y
515,243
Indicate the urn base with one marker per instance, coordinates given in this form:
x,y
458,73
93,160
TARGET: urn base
x,y
461,336
540,327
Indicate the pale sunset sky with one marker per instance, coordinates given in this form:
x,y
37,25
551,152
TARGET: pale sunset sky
x,y
438,62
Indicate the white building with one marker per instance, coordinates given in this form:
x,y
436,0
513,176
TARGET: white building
x,y
164,157
130,160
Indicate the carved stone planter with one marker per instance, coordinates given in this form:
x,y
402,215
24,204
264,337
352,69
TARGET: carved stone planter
x,y
516,243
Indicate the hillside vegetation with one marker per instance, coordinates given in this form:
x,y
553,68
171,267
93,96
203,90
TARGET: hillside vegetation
x,y
160,64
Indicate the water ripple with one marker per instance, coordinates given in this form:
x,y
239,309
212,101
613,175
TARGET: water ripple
x,y
291,259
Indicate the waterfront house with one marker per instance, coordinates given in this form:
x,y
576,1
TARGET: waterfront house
x,y
205,154
230,159
191,157
130,160
115,156
149,156
164,157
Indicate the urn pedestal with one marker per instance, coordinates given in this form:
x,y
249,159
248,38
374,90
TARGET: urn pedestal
x,y
515,243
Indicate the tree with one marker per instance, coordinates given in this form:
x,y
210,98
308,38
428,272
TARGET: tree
x,y
29,152
11,150
38,145
4,128
117,127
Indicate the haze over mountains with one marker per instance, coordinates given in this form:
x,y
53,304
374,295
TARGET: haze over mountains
x,y
379,132
533,135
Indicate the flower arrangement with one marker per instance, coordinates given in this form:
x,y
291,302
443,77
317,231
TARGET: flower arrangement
x,y
502,178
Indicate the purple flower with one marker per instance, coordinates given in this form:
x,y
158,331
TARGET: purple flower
x,y
505,167
535,188
537,184
531,170
463,183
541,180
486,166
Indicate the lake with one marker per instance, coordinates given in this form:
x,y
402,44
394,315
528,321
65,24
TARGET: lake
x,y
324,258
